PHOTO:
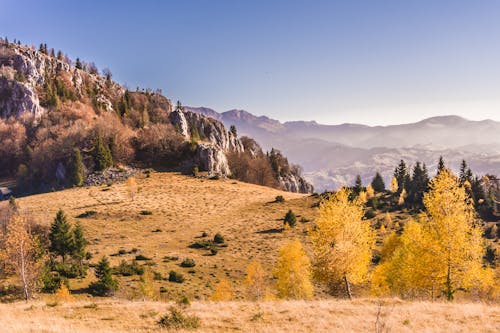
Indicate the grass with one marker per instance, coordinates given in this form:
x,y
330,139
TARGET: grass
x,y
359,315
184,208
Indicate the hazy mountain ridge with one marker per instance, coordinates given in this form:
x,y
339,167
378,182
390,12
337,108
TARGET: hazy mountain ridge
x,y
332,155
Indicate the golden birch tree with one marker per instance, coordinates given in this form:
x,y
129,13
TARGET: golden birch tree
x,y
342,242
293,272
255,281
394,187
21,254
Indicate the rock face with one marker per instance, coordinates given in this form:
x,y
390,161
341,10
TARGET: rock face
x,y
215,141
293,183
22,74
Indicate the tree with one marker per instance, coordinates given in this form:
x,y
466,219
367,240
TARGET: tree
x,y
255,281
223,291
103,158
441,166
79,243
293,272
233,130
378,183
444,251
370,192
402,176
290,219
358,185
131,187
21,254
342,242
402,197
77,168
105,285
78,64
61,239
394,185
419,184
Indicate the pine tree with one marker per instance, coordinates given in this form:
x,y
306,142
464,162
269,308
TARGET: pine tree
x,y
77,168
233,130
293,272
105,285
61,239
402,176
358,185
378,183
79,243
419,184
78,64
290,219
342,242
441,166
103,158
463,170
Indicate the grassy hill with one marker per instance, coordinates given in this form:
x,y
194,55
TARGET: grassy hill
x,y
182,209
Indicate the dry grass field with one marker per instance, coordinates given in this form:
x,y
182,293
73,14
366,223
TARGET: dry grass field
x,y
182,209
282,316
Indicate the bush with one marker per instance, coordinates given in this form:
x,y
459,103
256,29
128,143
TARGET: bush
x,y
213,251
188,263
279,198
71,270
105,285
173,276
177,320
184,301
218,238
86,214
52,281
290,219
141,257
125,269
146,212
163,290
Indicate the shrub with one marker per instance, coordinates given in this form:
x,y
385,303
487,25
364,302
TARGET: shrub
x,y
218,238
157,276
188,263
177,320
122,252
71,270
213,251
290,219
86,214
370,213
125,269
141,257
203,244
163,290
52,281
279,198
173,276
146,212
184,301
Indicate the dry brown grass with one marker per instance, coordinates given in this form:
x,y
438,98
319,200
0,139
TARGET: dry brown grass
x,y
283,316
182,208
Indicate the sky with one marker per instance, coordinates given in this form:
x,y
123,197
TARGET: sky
x,y
372,62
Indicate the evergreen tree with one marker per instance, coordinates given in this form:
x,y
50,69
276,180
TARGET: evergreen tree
x,y
78,64
463,173
61,239
103,157
77,168
402,176
358,185
233,130
441,165
378,183
290,219
105,285
79,243
418,186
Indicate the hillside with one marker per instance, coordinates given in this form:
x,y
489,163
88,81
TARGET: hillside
x,y
61,121
332,155
182,208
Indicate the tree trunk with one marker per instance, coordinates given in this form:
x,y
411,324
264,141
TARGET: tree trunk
x,y
449,289
23,274
347,287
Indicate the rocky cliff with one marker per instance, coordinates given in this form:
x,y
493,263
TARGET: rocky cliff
x,y
46,88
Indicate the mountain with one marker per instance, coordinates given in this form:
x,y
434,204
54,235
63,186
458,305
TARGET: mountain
x,y
332,155
59,117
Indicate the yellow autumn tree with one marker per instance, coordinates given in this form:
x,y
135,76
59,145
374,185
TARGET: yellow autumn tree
x,y
342,242
388,220
442,252
146,284
293,272
402,197
223,291
370,192
394,187
363,198
131,188
22,255
255,281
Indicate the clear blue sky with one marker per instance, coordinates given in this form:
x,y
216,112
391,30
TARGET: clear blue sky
x,y
372,62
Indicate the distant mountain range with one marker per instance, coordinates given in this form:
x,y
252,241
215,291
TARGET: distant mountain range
x,y
332,155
